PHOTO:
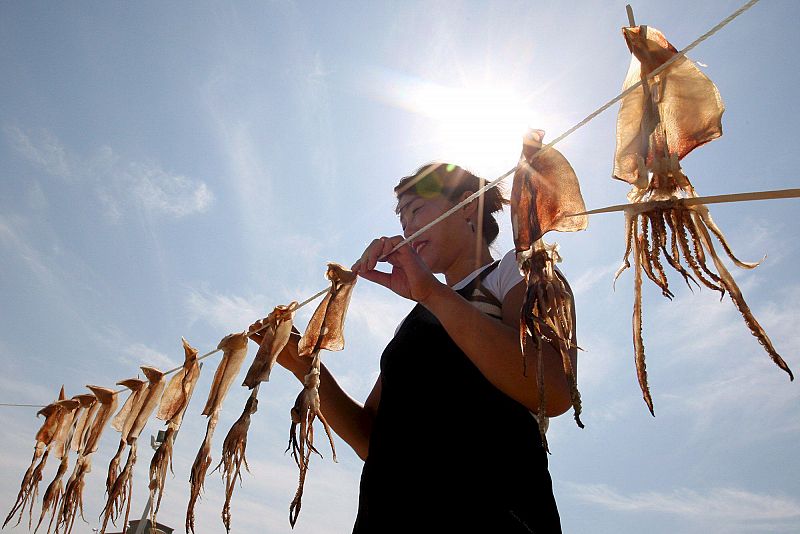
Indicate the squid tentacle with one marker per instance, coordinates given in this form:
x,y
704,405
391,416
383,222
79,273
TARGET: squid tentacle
x,y
566,362
657,239
705,215
647,258
630,235
697,245
738,299
29,483
52,495
638,341
687,254
674,259
542,412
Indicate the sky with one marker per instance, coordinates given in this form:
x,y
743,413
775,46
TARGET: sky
x,y
178,169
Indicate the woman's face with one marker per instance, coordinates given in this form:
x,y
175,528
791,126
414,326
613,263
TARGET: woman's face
x,y
440,245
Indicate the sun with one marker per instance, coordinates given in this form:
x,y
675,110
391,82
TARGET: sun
x,y
478,127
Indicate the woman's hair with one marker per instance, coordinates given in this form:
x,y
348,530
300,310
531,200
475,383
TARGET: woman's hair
x,y
452,181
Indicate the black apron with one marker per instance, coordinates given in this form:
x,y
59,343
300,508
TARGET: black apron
x,y
449,452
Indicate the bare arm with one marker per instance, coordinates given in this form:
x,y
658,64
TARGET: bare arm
x,y
351,420
492,345
496,351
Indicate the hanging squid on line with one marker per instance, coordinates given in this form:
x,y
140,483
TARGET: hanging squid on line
x,y
144,401
86,441
272,334
171,408
671,114
30,480
55,490
122,423
325,331
544,192
234,351
50,441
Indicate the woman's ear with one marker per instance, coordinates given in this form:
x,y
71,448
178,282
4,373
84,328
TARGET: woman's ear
x,y
470,210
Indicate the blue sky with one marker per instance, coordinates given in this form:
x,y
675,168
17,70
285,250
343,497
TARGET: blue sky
x,y
178,169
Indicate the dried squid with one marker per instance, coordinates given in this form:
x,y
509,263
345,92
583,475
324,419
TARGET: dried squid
x,y
275,331
324,331
234,348
672,113
91,429
56,415
120,493
233,453
173,404
53,415
545,191
60,448
122,423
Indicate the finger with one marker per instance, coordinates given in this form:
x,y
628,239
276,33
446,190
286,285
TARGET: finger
x,y
376,251
402,255
370,255
389,244
378,277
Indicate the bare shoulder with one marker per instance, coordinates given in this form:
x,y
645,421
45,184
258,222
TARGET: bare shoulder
x,y
512,304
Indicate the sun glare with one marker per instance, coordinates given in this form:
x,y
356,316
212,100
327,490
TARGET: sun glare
x,y
478,127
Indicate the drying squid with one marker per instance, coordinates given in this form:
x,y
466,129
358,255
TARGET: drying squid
x,y
60,448
89,406
101,412
56,492
120,493
671,114
122,423
545,191
53,414
274,331
173,404
233,453
325,330
234,347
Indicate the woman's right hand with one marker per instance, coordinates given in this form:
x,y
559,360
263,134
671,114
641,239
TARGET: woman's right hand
x,y
410,277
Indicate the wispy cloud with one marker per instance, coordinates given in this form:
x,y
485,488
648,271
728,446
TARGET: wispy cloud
x,y
132,353
724,506
231,313
376,311
586,280
141,354
12,237
46,152
119,185
732,380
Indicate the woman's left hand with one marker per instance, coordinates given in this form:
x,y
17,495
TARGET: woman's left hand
x,y
410,277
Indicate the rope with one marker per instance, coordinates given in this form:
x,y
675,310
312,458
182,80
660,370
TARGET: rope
x,y
207,354
494,183
692,201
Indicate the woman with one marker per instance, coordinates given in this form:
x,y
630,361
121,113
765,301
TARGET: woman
x,y
448,434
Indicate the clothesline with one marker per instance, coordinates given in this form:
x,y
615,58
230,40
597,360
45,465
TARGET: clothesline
x,y
494,183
